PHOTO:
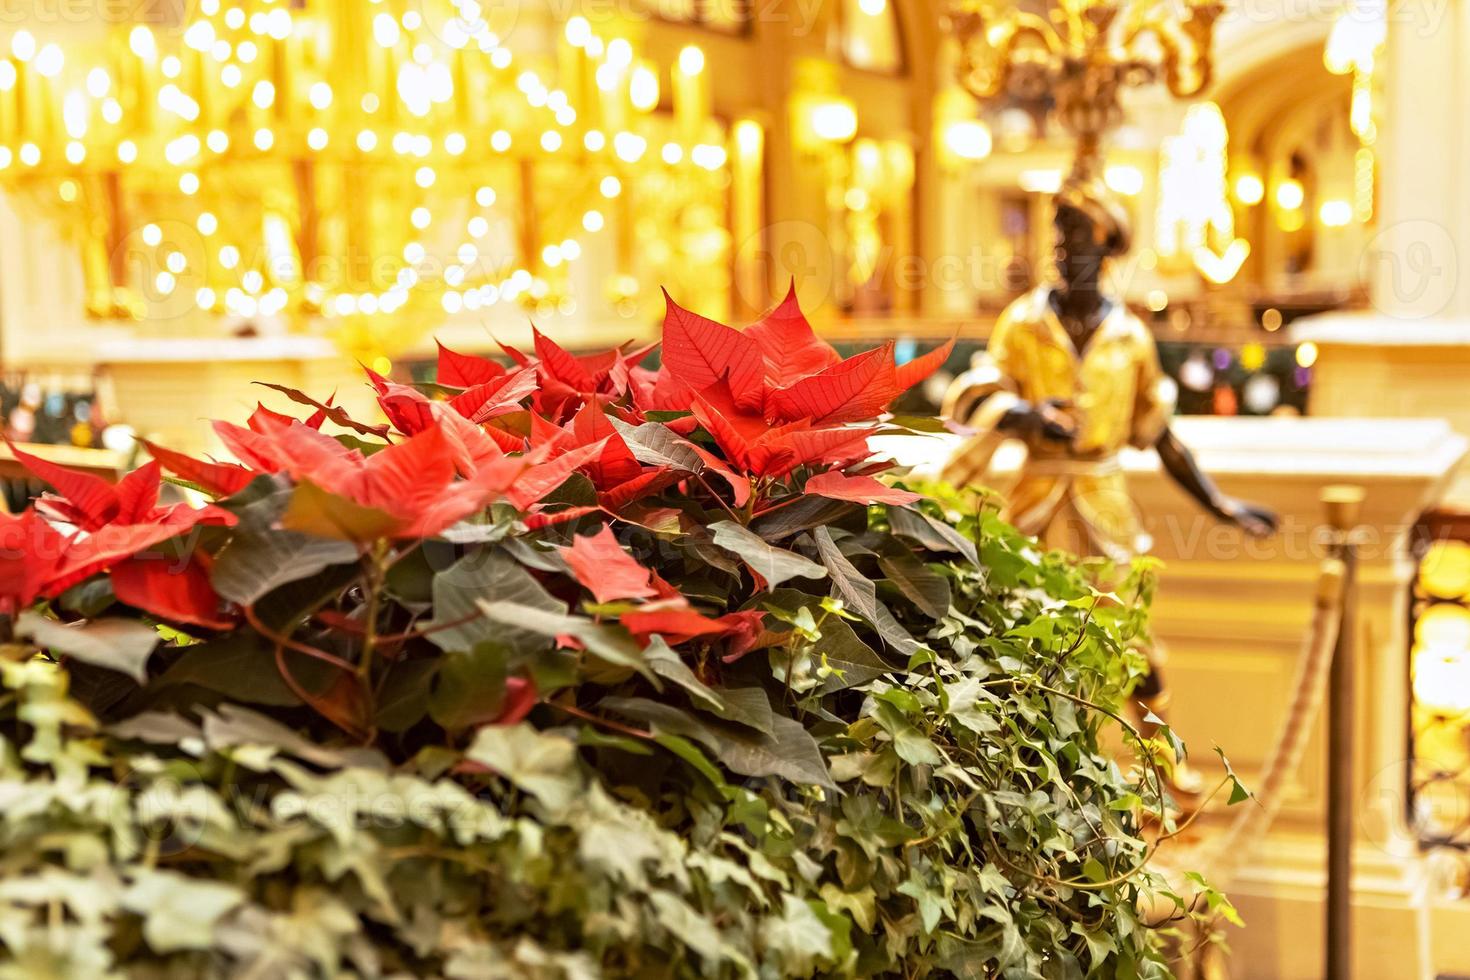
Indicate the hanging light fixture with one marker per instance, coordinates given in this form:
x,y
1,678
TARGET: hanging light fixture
x,y
332,158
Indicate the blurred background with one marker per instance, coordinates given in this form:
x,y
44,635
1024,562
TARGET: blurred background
x,y
195,196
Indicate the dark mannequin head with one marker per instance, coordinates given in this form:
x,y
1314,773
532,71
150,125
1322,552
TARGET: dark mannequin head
x,y
1091,227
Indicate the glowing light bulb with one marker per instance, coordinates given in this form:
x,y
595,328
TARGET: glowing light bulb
x,y
142,43
420,218
264,139
629,147
485,197
592,221
610,186
1289,194
127,151
500,141
367,141
98,83
578,31
691,60
320,95
50,61
207,224
385,30
619,53
1335,213
23,45
152,235
643,88
1249,189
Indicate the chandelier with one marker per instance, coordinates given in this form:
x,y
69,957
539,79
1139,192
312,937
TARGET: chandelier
x,y
1072,58
347,159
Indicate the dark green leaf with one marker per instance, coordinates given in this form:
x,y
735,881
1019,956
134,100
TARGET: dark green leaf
x,y
117,644
257,561
852,661
470,687
860,594
789,751
775,565
486,575
919,583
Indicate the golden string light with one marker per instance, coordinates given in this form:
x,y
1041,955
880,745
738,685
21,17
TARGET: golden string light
x,y
345,159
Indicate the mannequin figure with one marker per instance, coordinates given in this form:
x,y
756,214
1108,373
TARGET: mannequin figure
x,y
1074,375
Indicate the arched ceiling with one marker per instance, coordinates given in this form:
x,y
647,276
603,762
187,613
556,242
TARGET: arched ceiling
x,y
1251,35
1277,92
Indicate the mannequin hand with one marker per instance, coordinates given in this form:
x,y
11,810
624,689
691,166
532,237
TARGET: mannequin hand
x,y
1253,519
1048,420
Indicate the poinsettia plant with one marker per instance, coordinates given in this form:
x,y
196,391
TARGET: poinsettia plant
x,y
871,719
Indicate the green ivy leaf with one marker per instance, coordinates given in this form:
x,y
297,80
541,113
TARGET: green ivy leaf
x,y
542,764
179,912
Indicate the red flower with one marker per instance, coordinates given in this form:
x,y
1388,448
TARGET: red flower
x,y
615,471
31,553
776,396
600,564
405,490
115,525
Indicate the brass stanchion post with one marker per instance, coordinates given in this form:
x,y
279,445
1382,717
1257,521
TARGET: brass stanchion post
x,y
1343,504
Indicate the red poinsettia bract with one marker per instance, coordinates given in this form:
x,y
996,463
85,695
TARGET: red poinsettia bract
x,y
771,412
115,528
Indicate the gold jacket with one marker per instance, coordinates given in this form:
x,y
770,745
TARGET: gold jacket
x,y
1071,496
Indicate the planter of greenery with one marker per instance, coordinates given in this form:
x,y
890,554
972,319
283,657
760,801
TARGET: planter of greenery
x,y
572,669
